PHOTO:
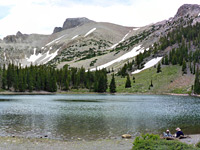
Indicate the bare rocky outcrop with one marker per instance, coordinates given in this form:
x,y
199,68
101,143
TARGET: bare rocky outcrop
x,y
71,23
188,9
19,37
57,29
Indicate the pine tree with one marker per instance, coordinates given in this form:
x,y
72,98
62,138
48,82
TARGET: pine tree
x,y
4,78
133,79
163,61
166,60
151,85
16,81
112,85
190,67
128,82
30,82
184,67
194,67
9,76
66,85
196,82
21,84
159,68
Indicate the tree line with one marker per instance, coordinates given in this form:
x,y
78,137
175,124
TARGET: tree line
x,y
47,78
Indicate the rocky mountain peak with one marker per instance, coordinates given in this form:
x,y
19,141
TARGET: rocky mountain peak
x,y
71,23
19,34
188,9
19,37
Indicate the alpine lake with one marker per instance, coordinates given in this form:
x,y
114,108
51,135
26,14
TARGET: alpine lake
x,y
96,116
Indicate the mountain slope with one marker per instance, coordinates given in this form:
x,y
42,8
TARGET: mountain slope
x,y
83,42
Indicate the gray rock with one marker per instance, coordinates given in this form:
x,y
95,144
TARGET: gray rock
x,y
57,29
126,136
71,23
188,9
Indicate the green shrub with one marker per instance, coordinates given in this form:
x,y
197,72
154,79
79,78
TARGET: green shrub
x,y
198,144
153,142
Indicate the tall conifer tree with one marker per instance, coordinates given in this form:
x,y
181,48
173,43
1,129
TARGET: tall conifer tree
x,y
112,85
128,82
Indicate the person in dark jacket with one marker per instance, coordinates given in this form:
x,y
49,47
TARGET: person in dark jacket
x,y
179,132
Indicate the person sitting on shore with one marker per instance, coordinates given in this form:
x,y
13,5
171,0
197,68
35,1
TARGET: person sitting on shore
x,y
179,133
167,134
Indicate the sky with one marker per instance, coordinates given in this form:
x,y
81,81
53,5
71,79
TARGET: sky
x,y
41,16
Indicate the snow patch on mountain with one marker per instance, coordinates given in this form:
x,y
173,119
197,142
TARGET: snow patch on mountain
x,y
135,29
92,30
55,40
149,64
75,37
49,57
34,57
120,41
4,56
134,52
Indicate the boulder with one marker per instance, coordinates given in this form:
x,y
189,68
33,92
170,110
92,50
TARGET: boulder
x,y
126,136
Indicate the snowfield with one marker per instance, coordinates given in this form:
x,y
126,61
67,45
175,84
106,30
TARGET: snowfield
x,y
75,37
46,57
34,57
120,41
49,57
90,32
55,40
134,52
135,29
149,64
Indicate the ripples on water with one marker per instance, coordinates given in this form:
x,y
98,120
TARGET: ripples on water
x,y
96,116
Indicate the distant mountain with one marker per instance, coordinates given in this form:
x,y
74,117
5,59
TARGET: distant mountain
x,y
83,42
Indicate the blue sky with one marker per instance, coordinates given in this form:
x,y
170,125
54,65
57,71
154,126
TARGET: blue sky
x,y
41,16
4,11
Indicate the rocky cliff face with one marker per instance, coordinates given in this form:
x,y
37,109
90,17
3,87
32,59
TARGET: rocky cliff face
x,y
71,23
188,9
19,37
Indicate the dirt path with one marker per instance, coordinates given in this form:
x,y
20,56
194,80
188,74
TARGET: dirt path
x,y
194,139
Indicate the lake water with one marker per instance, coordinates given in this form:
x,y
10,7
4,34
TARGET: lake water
x,y
92,117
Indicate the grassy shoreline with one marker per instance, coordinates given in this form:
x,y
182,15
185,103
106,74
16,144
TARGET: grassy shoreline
x,y
71,92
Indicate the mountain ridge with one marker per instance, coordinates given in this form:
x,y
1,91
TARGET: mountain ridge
x,y
105,43
124,50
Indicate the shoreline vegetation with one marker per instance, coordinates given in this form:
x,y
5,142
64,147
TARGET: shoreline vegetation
x,y
87,92
44,80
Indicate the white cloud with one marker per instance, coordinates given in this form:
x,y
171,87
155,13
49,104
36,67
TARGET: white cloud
x,y
41,16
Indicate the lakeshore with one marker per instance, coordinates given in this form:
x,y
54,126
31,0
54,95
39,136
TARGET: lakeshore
x,y
86,92
13,143
22,143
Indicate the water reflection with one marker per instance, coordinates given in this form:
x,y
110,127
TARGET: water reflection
x,y
96,116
